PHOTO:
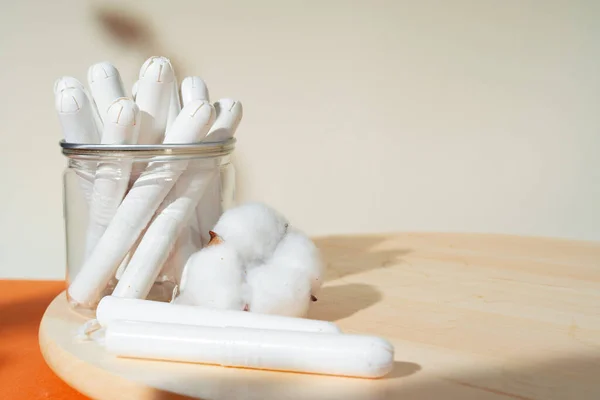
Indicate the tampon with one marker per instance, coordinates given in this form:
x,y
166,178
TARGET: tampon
x,y
154,90
192,124
123,264
122,122
76,116
210,207
189,240
121,126
112,309
65,82
159,239
126,259
174,104
138,207
105,86
193,88
69,82
78,122
318,353
153,95
229,115
134,90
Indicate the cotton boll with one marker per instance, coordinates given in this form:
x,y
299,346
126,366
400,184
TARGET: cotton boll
x,y
213,277
297,251
279,291
254,229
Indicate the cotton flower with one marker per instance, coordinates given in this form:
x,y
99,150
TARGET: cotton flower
x,y
271,289
213,277
253,229
254,262
296,251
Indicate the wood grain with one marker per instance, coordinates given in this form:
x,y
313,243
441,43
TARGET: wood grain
x,y
471,317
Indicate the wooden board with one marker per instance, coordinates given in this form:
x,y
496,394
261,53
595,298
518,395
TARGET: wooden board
x,y
471,317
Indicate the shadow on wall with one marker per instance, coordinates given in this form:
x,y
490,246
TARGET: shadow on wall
x,y
134,34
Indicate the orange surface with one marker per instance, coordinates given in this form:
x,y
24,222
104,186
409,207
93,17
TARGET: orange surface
x,y
23,372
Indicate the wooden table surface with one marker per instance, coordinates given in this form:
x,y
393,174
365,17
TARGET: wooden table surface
x,y
471,317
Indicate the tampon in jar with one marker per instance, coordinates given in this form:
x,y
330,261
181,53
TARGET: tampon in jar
x,y
175,159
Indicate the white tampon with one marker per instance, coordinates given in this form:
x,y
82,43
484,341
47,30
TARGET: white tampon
x,y
111,309
121,126
193,88
123,264
76,116
229,115
318,353
105,86
174,105
192,124
154,90
153,95
134,90
67,82
187,243
189,240
210,207
138,207
159,239
123,120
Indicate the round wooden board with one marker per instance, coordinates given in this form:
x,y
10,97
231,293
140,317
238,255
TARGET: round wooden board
x,y
471,317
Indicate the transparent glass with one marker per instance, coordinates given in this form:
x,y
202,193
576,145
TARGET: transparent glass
x,y
134,215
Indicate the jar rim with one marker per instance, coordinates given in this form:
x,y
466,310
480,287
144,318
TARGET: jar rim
x,y
207,149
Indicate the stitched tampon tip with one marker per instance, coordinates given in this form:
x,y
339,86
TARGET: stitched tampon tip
x,y
123,111
157,69
229,114
228,105
193,88
65,82
100,71
70,100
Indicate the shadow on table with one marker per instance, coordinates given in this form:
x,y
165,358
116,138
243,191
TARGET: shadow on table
x,y
345,256
339,302
562,378
351,255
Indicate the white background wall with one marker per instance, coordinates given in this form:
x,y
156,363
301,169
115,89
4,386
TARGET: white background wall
x,y
366,116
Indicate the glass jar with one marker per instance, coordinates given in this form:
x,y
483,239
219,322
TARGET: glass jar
x,y
134,214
